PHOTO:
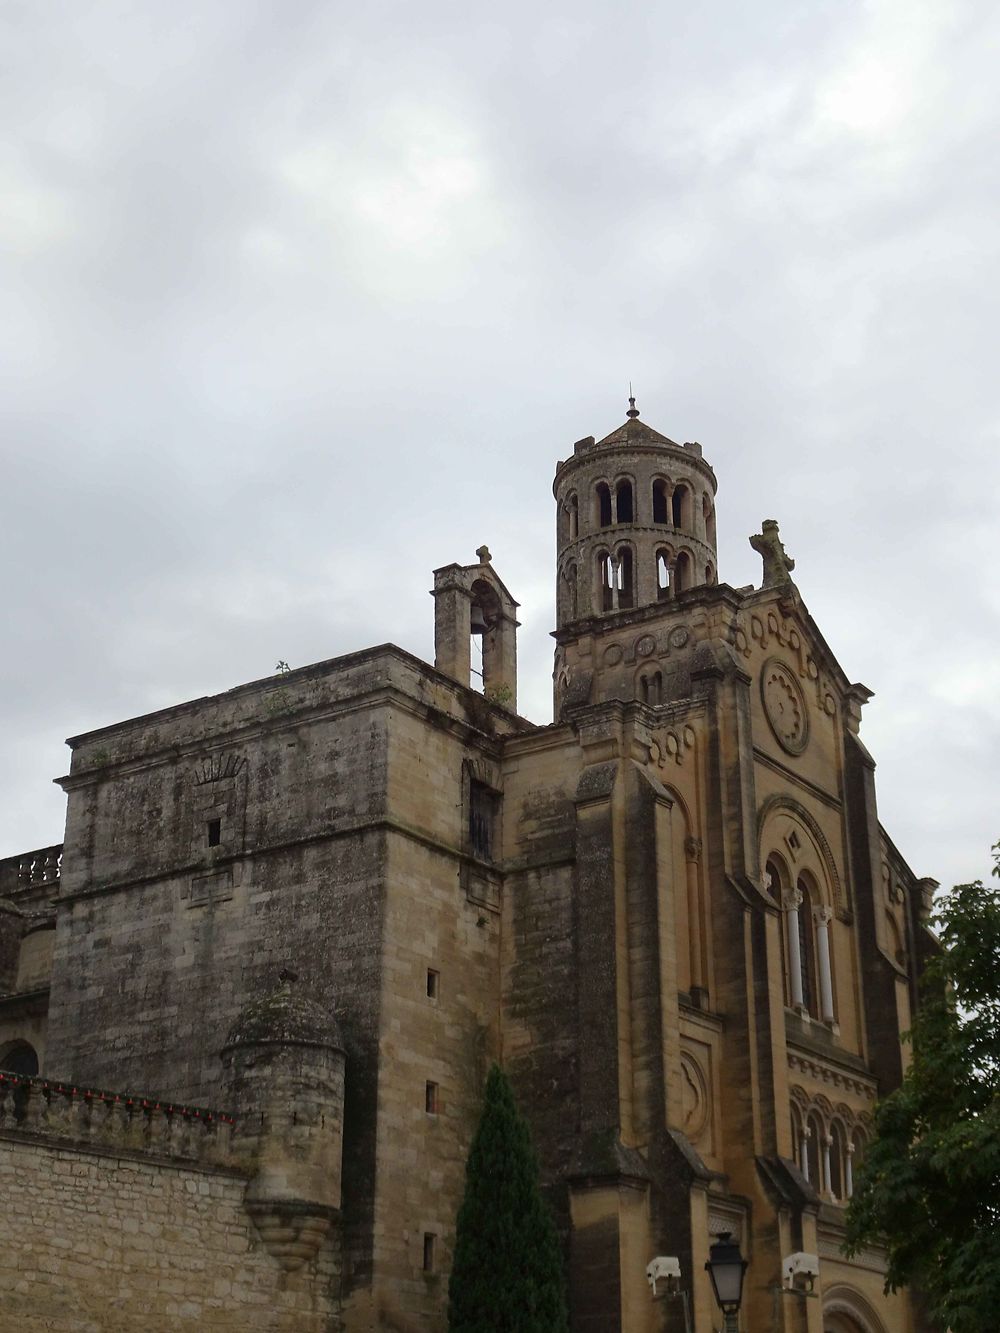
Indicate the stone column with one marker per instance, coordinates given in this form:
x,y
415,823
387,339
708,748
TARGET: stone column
x,y
452,629
824,915
692,856
849,1169
792,902
827,1188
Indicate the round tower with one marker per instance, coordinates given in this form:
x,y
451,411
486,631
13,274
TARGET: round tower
x,y
284,1060
636,522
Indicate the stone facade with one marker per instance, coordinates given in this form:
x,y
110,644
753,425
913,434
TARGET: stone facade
x,y
327,900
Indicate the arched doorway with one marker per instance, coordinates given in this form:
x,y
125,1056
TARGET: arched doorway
x,y
847,1311
20,1058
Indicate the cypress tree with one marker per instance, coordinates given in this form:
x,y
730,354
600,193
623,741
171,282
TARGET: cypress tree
x,y
507,1274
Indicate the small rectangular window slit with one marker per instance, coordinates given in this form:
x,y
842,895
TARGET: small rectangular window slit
x,y
431,1099
429,1239
214,832
432,984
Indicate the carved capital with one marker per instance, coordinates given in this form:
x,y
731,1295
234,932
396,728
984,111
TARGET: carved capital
x,y
692,849
791,900
824,915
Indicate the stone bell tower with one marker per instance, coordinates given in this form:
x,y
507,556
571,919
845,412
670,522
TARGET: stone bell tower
x,y
635,532
471,601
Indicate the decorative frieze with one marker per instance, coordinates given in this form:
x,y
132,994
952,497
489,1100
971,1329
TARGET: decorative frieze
x,y
829,1074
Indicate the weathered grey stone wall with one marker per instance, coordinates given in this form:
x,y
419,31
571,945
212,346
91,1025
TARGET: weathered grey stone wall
x,y
97,1244
163,938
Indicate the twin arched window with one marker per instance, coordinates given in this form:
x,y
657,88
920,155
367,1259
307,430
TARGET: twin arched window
x,y
807,952
671,506
827,1146
616,579
613,508
617,505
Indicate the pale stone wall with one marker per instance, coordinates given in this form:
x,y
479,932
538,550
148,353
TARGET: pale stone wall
x,y
95,1243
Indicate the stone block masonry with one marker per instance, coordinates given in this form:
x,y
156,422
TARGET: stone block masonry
x,y
96,1237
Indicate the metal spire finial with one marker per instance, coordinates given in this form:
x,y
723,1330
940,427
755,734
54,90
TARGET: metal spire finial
x,y
633,411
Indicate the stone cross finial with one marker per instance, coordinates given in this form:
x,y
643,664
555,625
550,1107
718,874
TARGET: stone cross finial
x,y
484,555
768,545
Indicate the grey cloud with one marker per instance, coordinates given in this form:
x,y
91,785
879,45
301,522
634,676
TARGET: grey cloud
x,y
303,300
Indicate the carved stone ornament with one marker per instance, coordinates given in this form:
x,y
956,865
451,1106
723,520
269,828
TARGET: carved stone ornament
x,y
694,1097
669,747
784,706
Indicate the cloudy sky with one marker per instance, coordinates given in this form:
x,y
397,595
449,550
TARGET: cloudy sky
x,y
302,299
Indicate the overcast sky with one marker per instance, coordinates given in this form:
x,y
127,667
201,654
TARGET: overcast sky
x,y
301,300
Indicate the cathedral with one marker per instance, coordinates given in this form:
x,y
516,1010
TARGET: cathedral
x,y
248,1005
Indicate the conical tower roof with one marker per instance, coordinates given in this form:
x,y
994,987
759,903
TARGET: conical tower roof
x,y
636,432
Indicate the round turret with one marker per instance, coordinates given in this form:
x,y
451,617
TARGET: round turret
x,y
286,1016
636,522
284,1060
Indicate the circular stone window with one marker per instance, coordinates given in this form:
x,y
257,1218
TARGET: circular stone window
x,y
785,706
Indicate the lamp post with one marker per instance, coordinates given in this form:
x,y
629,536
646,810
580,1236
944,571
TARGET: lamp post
x,y
726,1267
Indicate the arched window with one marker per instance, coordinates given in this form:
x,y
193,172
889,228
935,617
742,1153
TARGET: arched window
x,y
859,1140
814,1152
651,688
568,600
626,577
623,501
798,1140
709,575
679,506
807,963
662,575
660,506
775,877
838,1161
605,581
776,880
573,512
20,1058
709,511
602,504
682,572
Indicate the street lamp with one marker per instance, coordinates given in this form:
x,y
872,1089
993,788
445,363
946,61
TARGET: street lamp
x,y
726,1267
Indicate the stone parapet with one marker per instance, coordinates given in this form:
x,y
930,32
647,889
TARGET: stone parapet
x,y
29,869
113,1122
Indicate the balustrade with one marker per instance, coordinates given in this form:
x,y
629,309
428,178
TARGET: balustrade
x,y
113,1120
29,869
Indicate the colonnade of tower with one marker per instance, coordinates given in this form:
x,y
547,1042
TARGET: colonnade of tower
x,y
636,522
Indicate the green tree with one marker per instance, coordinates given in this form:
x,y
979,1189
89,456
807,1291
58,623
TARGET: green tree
x,y
929,1186
507,1274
